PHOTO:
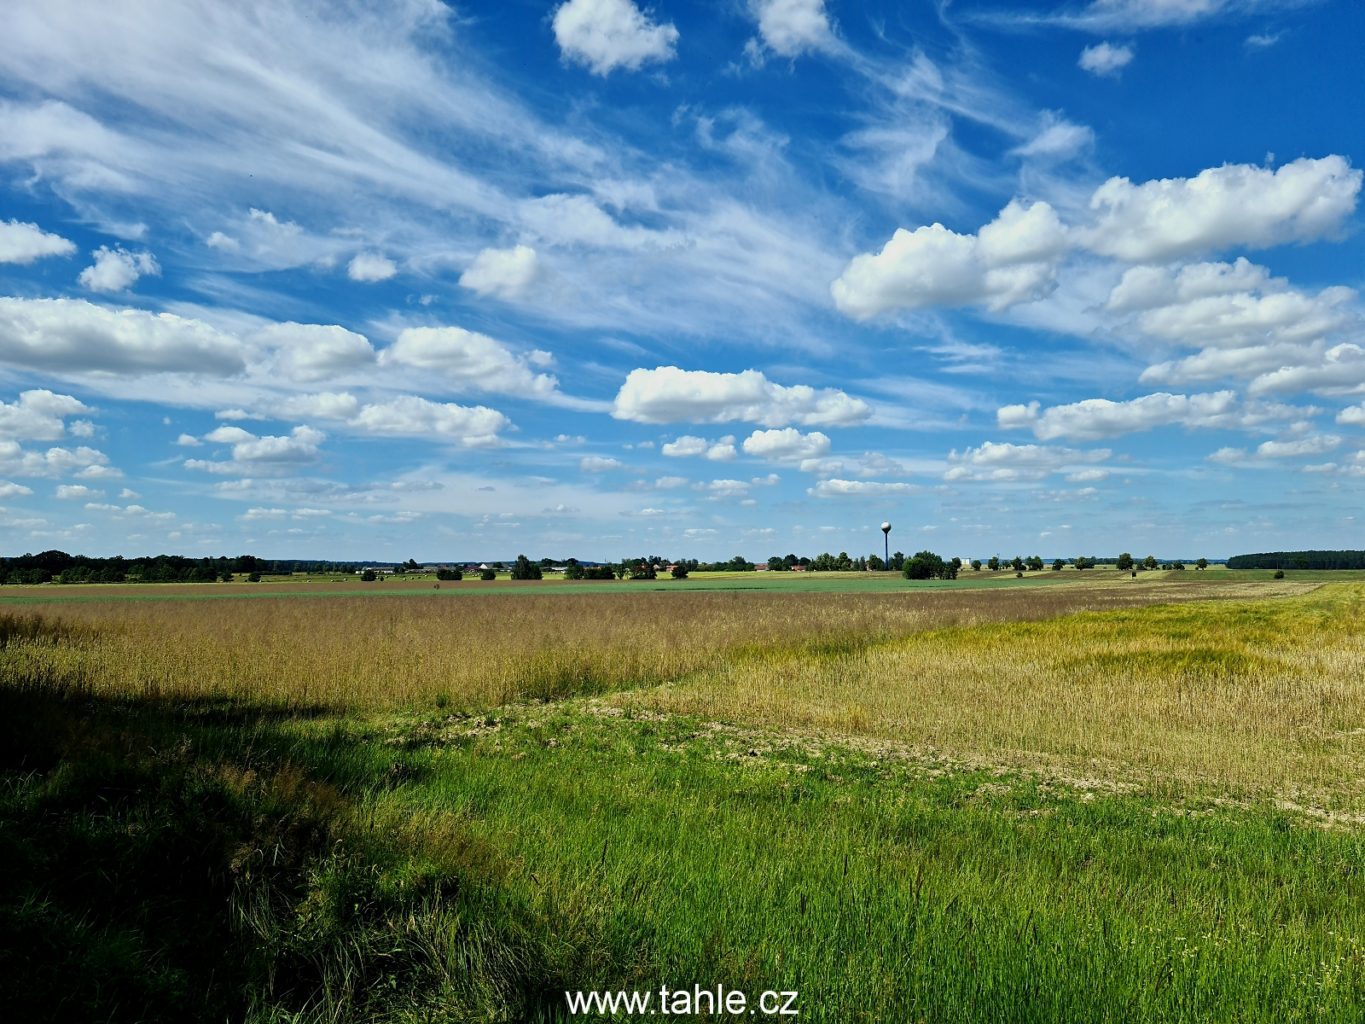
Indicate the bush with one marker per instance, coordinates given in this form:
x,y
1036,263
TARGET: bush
x,y
449,574
573,572
487,574
678,572
255,577
1279,574
367,576
599,572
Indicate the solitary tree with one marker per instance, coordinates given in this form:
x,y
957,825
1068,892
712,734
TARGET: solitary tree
x,y
679,571
1057,564
993,563
366,576
1017,564
1149,562
1203,563
976,565
1125,562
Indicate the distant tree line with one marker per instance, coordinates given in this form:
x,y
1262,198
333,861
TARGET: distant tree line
x,y
60,567
1299,560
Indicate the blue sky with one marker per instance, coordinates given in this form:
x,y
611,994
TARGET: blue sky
x,y
750,276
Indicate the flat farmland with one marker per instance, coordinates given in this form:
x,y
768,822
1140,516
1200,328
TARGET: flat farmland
x,y
776,582
1076,797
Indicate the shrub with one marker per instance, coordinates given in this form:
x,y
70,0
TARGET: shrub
x,y
367,576
1279,574
449,574
487,574
678,572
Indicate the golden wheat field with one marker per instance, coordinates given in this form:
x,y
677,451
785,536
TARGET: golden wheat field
x,y
1255,688
361,651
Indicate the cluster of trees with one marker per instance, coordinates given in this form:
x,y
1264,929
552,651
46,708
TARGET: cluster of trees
x,y
1299,560
60,567
590,572
925,565
1033,563
842,562
1126,563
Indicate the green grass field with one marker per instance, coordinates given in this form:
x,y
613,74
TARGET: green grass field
x,y
1142,812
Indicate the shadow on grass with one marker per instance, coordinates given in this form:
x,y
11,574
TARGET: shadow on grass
x,y
173,860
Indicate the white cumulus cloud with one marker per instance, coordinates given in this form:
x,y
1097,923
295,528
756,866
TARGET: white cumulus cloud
x,y
598,464
668,394
607,34
369,267
73,335
786,445
688,446
1338,370
1105,58
1236,204
309,352
503,273
117,269
1005,462
253,454
468,360
1012,259
837,488
72,492
410,416
792,27
38,415
23,243
1096,418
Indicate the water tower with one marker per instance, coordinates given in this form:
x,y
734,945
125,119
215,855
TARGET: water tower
x,y
886,543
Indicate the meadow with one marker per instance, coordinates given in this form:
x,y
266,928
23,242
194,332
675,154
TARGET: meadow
x,y
1090,799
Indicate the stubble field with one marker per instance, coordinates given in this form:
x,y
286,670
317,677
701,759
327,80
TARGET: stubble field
x,y
1096,799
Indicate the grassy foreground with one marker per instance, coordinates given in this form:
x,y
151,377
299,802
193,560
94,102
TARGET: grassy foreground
x,y
964,813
